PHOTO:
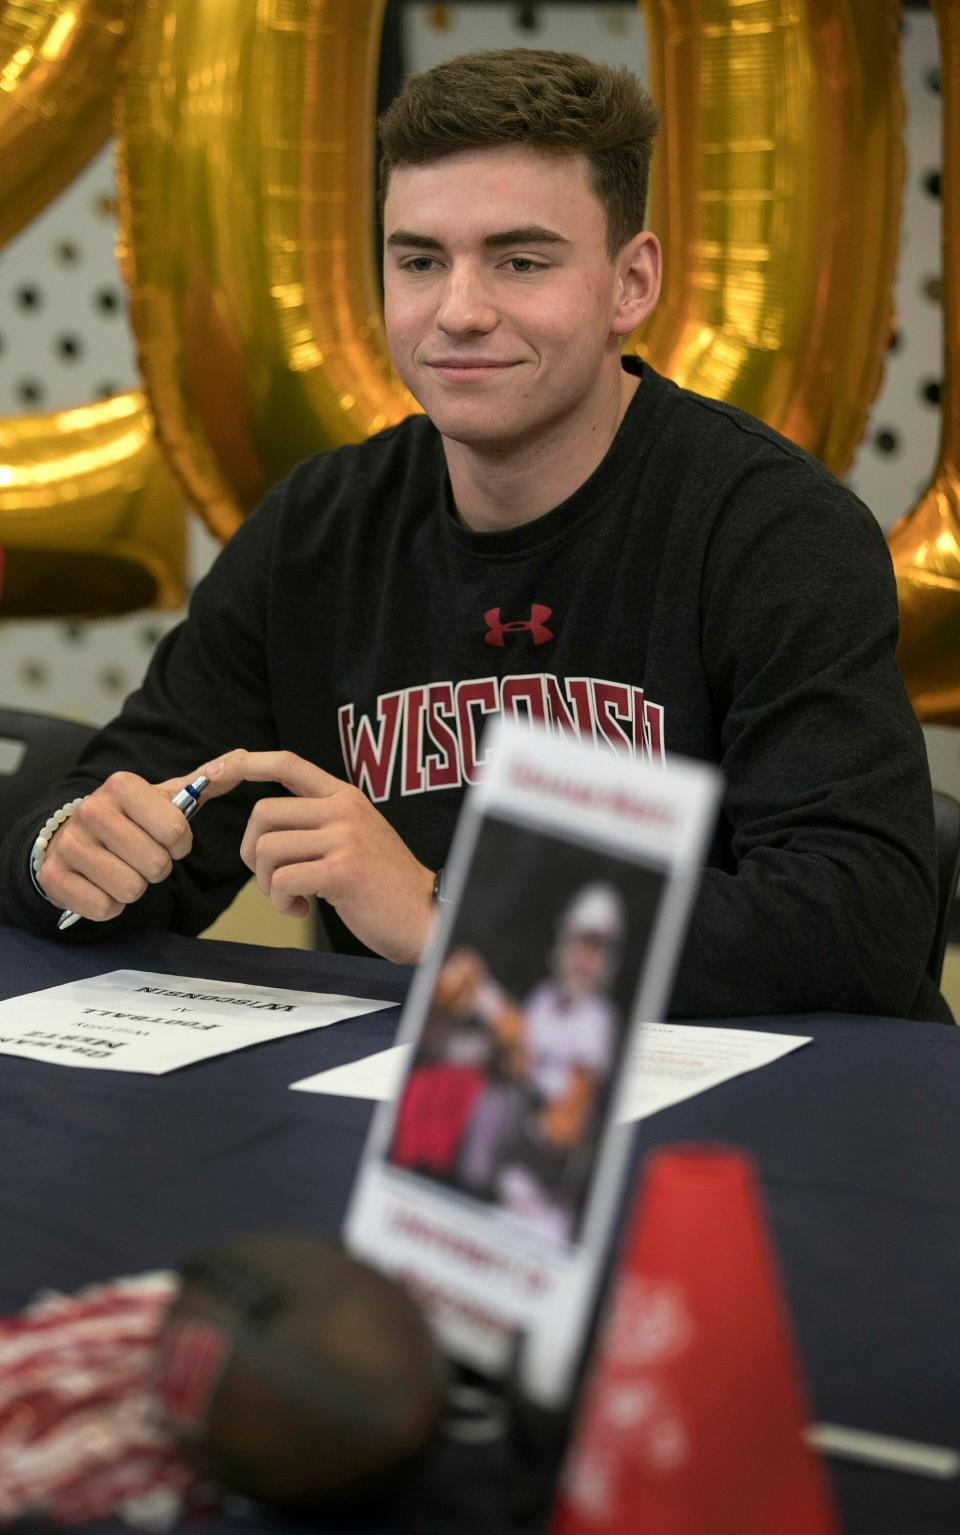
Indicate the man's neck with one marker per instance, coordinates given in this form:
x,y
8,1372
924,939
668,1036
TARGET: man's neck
x,y
496,489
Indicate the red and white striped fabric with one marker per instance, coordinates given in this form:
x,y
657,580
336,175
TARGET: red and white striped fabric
x,y
81,1436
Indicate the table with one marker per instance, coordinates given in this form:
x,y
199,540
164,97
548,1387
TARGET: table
x,y
856,1138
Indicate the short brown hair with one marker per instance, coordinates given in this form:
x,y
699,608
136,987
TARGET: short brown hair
x,y
558,102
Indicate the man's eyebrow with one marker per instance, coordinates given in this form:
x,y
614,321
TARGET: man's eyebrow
x,y
529,234
407,237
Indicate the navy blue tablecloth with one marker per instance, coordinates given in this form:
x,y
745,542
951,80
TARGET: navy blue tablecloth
x,y
856,1139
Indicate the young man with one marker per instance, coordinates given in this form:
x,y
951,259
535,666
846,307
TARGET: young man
x,y
566,534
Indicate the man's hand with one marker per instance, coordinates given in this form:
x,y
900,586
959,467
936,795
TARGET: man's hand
x,y
330,841
125,836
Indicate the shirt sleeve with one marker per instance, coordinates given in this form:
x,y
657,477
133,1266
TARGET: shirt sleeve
x,y
831,900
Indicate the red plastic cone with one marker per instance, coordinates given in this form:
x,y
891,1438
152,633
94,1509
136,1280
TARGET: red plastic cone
x,y
692,1417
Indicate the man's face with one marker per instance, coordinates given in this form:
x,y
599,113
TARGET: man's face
x,y
502,304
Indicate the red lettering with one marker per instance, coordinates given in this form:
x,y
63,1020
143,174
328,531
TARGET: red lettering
x,y
369,762
449,719
443,767
473,698
653,719
524,697
413,741
558,713
612,700
641,736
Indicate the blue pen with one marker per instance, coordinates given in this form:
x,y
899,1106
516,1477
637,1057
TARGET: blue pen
x,y
187,801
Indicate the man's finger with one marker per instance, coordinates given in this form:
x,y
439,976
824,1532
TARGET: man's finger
x,y
285,768
271,850
131,823
73,892
172,786
118,837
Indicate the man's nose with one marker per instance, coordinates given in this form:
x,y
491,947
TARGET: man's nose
x,y
466,304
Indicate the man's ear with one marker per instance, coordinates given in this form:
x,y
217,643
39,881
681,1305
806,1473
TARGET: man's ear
x,y
639,266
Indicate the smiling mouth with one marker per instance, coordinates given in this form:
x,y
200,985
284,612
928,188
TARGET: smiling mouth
x,y
453,367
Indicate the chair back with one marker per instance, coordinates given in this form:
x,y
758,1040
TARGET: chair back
x,y
946,816
51,746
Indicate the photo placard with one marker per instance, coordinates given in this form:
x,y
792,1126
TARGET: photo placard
x,y
490,1184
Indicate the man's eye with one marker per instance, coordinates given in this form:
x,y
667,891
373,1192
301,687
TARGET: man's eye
x,y
523,265
419,264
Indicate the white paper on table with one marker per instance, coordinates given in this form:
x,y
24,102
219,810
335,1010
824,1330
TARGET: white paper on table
x,y
673,1061
376,1077
139,1020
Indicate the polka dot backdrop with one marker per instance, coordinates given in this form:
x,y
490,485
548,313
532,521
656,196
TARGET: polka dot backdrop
x,y
64,338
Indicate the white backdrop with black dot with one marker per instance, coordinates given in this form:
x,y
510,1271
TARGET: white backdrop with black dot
x,y
64,337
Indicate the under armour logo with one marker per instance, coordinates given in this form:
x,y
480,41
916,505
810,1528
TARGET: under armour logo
x,y
535,625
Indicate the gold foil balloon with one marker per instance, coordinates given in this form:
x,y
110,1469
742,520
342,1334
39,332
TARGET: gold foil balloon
x,y
89,515
926,543
246,139
58,59
776,192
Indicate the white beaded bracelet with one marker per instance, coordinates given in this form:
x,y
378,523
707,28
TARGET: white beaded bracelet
x,y
39,851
